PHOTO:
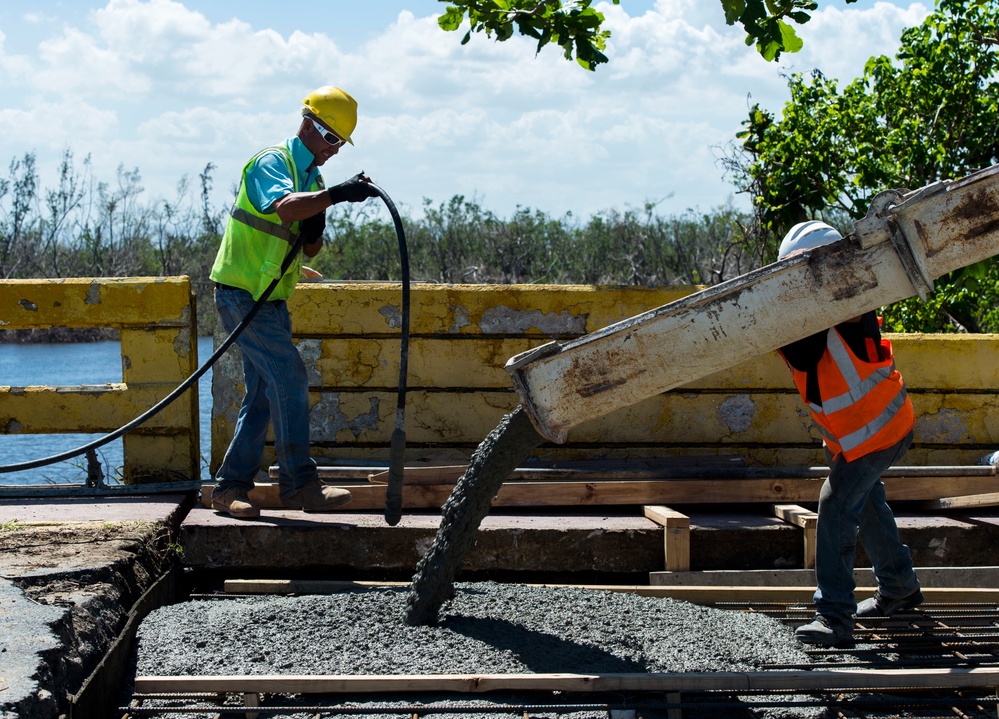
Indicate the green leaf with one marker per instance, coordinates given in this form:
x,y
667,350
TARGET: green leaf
x,y
769,50
733,10
790,39
451,19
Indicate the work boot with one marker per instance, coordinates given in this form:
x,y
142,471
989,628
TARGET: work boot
x,y
235,503
317,497
825,632
881,606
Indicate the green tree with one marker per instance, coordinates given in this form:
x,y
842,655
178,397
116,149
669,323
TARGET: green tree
x,y
578,28
929,116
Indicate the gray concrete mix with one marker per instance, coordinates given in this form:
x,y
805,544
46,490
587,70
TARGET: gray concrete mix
x,y
486,628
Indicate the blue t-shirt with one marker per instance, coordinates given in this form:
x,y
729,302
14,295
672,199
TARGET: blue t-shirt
x,y
267,180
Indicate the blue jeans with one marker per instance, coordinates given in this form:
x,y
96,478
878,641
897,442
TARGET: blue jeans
x,y
277,390
853,500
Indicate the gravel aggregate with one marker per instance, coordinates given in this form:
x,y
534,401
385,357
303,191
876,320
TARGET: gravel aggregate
x,y
486,628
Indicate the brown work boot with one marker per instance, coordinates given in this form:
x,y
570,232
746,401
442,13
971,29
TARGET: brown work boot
x,y
317,497
235,503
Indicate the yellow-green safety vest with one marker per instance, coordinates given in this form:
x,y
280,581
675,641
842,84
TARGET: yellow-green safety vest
x,y
255,244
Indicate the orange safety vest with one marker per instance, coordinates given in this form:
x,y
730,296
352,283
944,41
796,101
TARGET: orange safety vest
x,y
865,407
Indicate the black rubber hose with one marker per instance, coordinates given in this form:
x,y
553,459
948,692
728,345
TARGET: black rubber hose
x,y
397,451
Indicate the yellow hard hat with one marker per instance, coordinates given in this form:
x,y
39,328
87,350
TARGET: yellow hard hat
x,y
334,107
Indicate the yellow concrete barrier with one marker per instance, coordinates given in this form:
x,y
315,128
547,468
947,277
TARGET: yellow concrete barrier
x,y
158,330
461,336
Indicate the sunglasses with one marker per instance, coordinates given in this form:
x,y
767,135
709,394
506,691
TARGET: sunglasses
x,y
328,135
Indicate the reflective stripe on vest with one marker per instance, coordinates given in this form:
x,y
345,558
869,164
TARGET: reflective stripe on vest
x,y
282,232
843,418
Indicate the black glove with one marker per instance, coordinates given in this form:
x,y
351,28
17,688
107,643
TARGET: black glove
x,y
312,228
356,189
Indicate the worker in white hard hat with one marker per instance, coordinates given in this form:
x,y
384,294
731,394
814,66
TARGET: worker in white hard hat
x,y
281,197
847,377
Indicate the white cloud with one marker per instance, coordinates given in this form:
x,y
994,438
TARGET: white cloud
x,y
157,85
838,42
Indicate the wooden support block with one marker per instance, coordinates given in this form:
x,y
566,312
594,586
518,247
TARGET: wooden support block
x,y
676,536
674,712
804,518
251,699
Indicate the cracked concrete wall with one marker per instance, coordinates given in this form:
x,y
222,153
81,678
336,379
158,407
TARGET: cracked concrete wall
x,y
462,335
158,352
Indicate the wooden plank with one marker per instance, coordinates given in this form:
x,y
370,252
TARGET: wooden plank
x,y
764,594
929,577
417,475
301,586
449,474
596,494
698,594
804,518
802,680
971,501
676,536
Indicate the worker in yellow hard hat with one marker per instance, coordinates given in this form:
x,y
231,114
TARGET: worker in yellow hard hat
x,y
281,198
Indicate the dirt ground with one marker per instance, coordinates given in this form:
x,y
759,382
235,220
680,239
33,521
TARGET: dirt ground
x,y
29,549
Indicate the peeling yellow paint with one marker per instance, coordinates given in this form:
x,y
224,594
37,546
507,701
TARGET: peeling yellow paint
x,y
159,350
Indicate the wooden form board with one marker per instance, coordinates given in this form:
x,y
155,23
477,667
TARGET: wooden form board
x,y
973,501
676,536
804,518
371,497
696,594
807,680
980,577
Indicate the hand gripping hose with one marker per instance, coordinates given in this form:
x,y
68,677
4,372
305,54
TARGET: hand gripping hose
x,y
393,504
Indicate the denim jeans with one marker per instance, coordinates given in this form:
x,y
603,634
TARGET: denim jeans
x,y
853,500
277,391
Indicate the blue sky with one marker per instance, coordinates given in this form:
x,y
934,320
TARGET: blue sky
x,y
167,86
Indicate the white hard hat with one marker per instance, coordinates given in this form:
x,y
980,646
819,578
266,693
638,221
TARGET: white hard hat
x,y
806,236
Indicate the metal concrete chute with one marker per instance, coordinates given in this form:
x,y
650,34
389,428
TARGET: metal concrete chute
x,y
906,241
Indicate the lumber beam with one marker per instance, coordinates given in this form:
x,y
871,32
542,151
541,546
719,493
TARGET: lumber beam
x,y
449,474
696,594
641,492
800,680
971,501
978,577
804,518
676,536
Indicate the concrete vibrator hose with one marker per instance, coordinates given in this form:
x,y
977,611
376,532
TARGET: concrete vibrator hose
x,y
393,504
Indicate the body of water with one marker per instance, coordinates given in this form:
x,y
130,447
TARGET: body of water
x,y
23,365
